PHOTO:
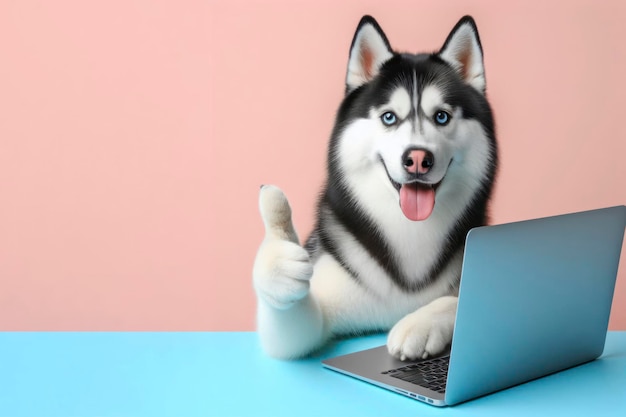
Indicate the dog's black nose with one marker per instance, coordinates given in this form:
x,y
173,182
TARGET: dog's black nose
x,y
418,161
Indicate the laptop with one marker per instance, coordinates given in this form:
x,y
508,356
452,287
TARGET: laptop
x,y
534,299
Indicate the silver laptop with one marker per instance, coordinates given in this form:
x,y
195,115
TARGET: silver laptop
x,y
535,299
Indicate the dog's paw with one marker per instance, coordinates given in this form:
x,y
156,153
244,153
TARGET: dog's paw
x,y
282,271
424,333
282,268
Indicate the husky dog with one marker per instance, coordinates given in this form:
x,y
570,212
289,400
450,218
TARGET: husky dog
x,y
411,165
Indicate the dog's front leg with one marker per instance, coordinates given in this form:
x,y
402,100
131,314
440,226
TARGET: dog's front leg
x,y
425,332
289,319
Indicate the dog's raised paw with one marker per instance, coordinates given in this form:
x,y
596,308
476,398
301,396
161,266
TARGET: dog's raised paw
x,y
282,271
282,268
276,214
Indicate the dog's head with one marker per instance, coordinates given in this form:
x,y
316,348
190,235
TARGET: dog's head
x,y
414,126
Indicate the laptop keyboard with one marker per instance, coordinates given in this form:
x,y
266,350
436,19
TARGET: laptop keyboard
x,y
431,374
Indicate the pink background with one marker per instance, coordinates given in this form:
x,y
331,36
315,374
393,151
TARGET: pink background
x,y
134,136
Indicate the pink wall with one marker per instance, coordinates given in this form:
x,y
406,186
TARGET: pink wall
x,y
134,136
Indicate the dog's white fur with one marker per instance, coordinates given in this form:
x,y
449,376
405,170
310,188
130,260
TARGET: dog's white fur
x,y
302,304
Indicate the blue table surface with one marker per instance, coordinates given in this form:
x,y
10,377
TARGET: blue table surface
x,y
227,374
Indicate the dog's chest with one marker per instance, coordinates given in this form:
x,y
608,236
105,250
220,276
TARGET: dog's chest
x,y
416,247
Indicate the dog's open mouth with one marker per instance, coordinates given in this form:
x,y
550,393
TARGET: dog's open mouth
x,y
417,200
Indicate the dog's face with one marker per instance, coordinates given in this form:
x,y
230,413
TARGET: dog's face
x,y
410,125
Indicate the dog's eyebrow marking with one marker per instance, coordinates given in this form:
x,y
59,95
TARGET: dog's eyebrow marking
x,y
399,102
432,100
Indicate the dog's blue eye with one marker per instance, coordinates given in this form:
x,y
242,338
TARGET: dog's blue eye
x,y
442,118
389,118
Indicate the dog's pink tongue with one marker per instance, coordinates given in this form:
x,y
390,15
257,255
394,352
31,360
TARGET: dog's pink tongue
x,y
417,203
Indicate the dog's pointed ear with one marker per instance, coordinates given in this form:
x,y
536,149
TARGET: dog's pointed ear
x,y
464,52
369,51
